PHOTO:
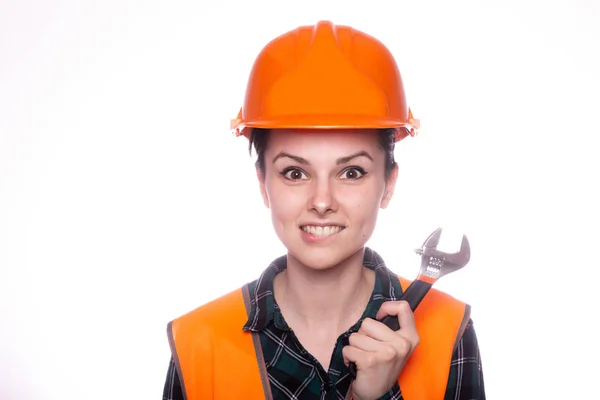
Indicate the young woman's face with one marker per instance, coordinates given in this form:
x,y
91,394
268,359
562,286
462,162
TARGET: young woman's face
x,y
324,190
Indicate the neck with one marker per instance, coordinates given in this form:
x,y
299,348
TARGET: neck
x,y
324,300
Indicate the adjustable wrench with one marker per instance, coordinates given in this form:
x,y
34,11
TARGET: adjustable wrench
x,y
434,265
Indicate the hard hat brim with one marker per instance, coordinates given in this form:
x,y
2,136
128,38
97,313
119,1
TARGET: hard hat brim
x,y
239,127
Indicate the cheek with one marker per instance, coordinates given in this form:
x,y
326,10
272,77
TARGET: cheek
x,y
362,206
286,203
364,200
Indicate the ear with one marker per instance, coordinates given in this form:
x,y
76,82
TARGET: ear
x,y
263,190
390,186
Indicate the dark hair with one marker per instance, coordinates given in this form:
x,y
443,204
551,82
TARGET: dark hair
x,y
259,138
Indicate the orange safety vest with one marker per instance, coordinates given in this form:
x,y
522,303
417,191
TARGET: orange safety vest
x,y
216,359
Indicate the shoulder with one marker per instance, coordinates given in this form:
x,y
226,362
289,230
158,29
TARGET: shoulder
x,y
224,310
434,294
440,309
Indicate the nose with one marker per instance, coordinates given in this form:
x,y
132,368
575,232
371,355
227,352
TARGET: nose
x,y
322,199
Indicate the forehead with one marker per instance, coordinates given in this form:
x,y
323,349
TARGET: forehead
x,y
330,141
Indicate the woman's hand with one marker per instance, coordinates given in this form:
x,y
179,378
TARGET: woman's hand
x,y
379,352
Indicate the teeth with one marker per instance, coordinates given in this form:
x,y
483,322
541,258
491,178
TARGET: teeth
x,y
322,230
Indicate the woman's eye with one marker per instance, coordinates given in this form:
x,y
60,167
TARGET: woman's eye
x,y
353,173
293,174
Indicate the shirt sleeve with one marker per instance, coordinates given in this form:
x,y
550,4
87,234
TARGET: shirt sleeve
x,y
465,380
172,389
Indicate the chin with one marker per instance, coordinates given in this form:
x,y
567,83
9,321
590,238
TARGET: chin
x,y
322,258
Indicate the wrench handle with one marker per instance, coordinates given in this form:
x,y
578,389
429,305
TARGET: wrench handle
x,y
414,293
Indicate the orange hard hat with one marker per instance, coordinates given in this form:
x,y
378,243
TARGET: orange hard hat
x,y
325,77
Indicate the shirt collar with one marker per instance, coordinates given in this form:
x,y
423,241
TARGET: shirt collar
x,y
264,309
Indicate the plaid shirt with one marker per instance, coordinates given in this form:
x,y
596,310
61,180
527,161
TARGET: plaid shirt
x,y
296,374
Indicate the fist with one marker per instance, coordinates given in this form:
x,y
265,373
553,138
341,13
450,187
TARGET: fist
x,y
379,352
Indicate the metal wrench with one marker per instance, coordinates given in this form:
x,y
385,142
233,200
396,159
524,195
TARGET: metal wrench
x,y
434,265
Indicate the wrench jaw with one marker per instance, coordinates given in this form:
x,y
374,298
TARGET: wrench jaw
x,y
435,263
432,240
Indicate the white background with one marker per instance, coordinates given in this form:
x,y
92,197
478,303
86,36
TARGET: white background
x,y
125,201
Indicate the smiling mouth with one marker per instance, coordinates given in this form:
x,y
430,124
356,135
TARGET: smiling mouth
x,y
322,230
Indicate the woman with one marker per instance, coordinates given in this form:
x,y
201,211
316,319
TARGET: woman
x,y
324,109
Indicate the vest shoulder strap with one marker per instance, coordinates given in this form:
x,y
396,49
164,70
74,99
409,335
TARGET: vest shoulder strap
x,y
441,321
214,357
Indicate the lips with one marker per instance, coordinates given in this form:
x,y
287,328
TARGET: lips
x,y
322,230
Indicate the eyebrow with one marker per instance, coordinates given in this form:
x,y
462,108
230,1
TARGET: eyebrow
x,y
339,161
